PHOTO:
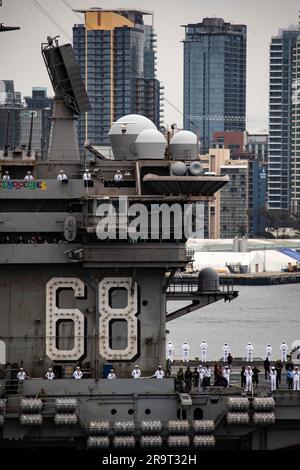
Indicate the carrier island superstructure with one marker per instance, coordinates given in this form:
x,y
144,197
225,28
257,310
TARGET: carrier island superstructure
x,y
70,298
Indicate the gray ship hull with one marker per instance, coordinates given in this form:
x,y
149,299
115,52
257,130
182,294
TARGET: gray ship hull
x,y
125,410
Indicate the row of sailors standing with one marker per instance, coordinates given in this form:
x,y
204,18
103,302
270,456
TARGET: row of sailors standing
x,y
204,375
62,176
294,378
27,177
22,375
137,373
87,176
283,351
226,351
199,377
78,374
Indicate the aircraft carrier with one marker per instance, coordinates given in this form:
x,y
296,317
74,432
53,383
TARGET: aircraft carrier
x,y
74,293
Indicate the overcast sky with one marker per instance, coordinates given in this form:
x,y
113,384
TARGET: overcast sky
x,y
22,62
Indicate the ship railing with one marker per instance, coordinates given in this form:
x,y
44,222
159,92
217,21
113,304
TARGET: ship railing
x,y
11,386
192,285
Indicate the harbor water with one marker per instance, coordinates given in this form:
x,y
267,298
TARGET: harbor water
x,y
261,314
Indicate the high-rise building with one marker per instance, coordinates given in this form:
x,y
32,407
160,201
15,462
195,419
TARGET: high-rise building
x,y
257,196
283,120
10,105
257,144
295,144
116,51
234,218
252,149
214,78
39,107
228,213
240,207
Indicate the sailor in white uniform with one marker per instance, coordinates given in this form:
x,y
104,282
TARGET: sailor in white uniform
x,y
273,375
248,374
28,176
201,375
159,374
6,176
203,348
50,374
87,175
296,379
269,351
207,374
283,350
136,373
185,352
118,177
112,374
249,351
21,375
226,351
170,351
77,374
62,176
226,374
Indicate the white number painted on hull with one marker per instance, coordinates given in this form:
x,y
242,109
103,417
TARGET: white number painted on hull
x,y
108,314
55,314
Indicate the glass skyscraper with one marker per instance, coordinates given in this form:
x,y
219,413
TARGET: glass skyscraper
x,y
295,148
42,108
214,78
284,121
10,107
116,51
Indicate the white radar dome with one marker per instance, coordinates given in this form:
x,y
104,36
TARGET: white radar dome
x,y
150,143
184,145
123,134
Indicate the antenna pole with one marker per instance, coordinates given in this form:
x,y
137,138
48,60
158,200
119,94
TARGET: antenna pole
x,y
6,147
30,136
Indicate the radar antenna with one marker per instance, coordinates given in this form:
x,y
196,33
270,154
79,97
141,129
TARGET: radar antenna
x,y
70,99
64,73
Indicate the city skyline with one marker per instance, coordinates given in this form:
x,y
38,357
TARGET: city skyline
x,y
263,21
116,53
